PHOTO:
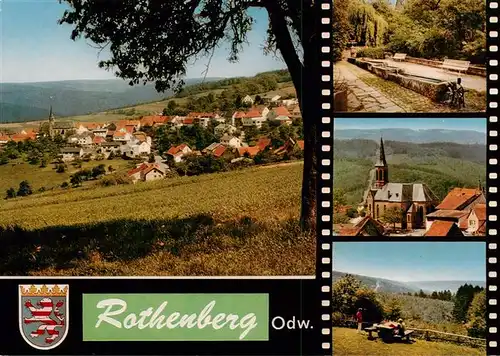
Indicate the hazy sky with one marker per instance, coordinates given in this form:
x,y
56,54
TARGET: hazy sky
x,y
416,123
35,48
412,261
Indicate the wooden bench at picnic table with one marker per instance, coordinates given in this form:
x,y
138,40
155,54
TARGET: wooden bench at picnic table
x,y
370,330
405,336
386,333
399,56
453,64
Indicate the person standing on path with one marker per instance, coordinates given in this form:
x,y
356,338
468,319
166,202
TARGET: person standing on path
x,y
359,319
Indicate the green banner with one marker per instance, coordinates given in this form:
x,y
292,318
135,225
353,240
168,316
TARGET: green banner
x,y
175,317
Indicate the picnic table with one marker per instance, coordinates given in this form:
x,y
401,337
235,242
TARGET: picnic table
x,y
385,332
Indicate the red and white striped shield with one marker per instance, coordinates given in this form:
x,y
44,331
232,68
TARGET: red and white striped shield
x,y
43,314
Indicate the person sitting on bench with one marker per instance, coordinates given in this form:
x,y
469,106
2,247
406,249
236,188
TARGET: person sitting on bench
x,y
400,328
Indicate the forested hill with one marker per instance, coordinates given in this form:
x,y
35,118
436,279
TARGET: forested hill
x,y
367,149
31,101
415,136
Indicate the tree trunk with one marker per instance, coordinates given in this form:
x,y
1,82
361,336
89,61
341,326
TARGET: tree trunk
x,y
307,81
310,171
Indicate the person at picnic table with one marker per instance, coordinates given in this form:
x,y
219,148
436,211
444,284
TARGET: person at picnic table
x,y
359,319
400,328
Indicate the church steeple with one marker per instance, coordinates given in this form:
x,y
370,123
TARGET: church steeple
x,y
51,122
381,168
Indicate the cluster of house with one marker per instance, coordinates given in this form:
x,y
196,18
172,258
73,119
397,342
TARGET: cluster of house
x,y
123,137
23,135
232,149
462,211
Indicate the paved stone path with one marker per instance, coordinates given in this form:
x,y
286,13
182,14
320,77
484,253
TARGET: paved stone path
x,y
362,97
370,93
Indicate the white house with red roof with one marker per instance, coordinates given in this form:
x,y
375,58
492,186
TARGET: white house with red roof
x,y
4,139
122,136
179,152
280,114
146,172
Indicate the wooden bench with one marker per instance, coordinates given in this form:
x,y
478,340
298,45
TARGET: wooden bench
x,y
405,336
453,64
399,57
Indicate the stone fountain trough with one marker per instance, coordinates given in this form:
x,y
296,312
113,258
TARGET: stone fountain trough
x,y
432,88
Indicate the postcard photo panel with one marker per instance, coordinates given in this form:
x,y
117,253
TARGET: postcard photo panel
x,y
410,56
410,177
105,178
398,298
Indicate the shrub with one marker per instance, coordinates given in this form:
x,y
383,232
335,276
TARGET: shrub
x,y
61,168
392,309
11,193
372,52
65,185
98,171
108,181
24,189
338,319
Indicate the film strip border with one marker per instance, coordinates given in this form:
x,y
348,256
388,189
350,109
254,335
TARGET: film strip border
x,y
492,179
324,191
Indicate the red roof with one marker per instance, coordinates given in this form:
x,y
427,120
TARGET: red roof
x,y
123,123
252,151
281,111
150,168
263,142
219,151
188,121
175,149
440,228
480,211
151,120
137,169
119,134
130,128
98,139
239,115
201,114
301,144
90,125
458,198
22,137
253,113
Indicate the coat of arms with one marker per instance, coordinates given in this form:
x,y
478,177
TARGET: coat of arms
x,y
43,314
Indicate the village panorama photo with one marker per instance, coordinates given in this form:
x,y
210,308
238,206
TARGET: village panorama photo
x,y
178,145
409,177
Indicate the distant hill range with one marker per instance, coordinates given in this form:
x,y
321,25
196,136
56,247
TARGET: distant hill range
x,y
414,136
368,148
391,286
31,101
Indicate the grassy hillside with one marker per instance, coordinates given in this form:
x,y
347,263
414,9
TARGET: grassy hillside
x,y
441,165
165,227
348,342
16,171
